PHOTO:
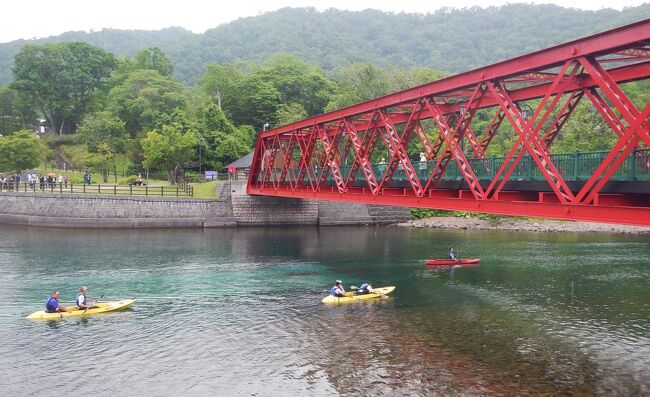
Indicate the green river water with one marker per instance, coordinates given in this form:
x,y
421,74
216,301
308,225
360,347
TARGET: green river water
x,y
238,312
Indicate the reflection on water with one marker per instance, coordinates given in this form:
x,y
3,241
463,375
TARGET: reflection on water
x,y
238,311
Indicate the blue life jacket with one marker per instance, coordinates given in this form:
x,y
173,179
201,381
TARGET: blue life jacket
x,y
333,291
364,287
49,307
452,255
84,301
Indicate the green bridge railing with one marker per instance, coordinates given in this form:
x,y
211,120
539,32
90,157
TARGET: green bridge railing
x,y
576,166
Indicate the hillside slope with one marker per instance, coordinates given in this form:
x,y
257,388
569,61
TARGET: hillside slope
x,y
448,40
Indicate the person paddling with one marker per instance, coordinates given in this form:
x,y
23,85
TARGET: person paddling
x,y
82,300
452,254
337,289
366,288
52,305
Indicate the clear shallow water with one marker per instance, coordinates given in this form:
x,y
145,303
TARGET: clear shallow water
x,y
238,312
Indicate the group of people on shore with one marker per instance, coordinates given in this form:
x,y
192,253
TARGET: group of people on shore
x,y
83,302
34,181
8,182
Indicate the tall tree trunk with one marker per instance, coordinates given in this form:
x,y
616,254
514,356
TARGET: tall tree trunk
x,y
115,172
62,124
52,122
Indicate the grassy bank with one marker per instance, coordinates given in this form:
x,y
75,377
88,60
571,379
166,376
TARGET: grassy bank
x,y
206,190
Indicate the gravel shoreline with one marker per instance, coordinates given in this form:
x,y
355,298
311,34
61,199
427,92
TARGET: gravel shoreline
x,y
513,224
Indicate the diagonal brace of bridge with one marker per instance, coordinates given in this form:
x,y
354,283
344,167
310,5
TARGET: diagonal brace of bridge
x,y
530,97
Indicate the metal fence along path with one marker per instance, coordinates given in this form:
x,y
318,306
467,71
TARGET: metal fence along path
x,y
178,190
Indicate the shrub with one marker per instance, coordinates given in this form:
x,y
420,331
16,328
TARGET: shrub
x,y
419,213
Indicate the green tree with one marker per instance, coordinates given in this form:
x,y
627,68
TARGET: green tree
x,y
256,103
298,82
168,149
155,59
219,141
288,113
102,160
108,156
143,99
15,111
400,79
229,148
103,127
220,82
20,151
359,82
585,130
61,78
134,150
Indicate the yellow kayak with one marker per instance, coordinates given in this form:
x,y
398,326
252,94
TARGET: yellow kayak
x,y
102,307
354,297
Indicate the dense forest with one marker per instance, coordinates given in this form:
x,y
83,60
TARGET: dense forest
x,y
103,111
448,40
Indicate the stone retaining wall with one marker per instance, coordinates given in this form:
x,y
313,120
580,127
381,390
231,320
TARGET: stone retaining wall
x,y
111,212
234,207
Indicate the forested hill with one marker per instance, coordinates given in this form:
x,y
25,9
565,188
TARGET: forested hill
x,y
448,40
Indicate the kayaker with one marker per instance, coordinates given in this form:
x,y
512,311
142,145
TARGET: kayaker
x,y
337,289
52,305
366,288
82,299
452,254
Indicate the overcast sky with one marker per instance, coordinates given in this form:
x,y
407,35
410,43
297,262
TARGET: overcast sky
x,y
41,18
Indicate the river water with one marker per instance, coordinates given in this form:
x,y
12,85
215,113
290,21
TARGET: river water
x,y
238,312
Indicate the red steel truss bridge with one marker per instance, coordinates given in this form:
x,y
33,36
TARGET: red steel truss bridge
x,y
421,147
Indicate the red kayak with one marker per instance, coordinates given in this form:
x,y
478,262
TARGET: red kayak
x,y
450,262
